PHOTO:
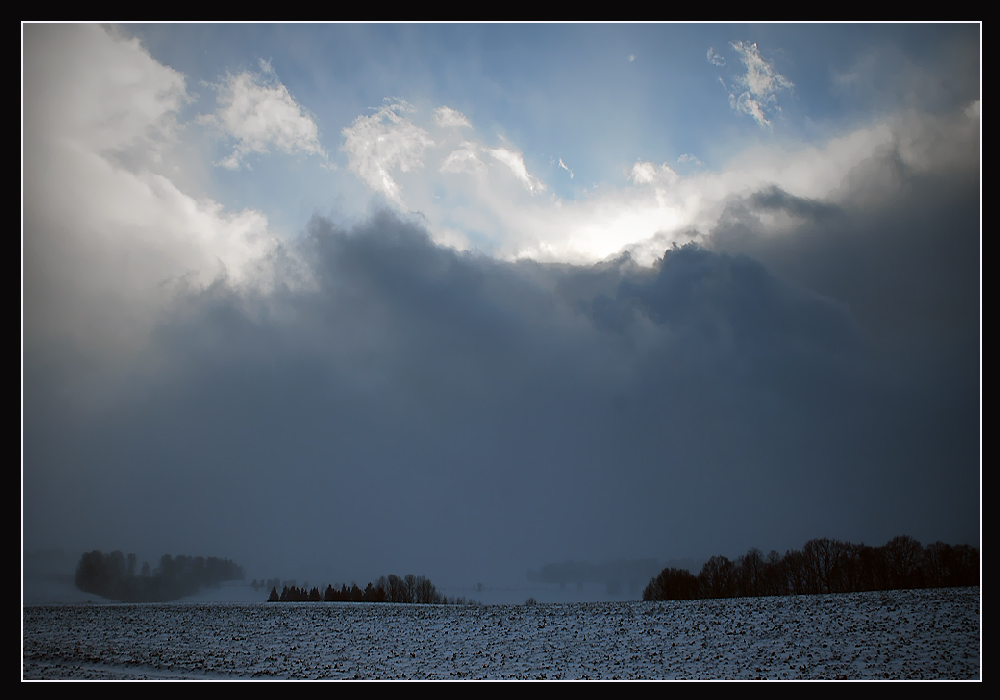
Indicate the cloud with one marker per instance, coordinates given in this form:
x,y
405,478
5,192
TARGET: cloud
x,y
257,111
131,109
761,84
714,58
644,173
566,168
464,159
504,216
515,161
631,57
885,78
447,117
731,395
112,232
382,142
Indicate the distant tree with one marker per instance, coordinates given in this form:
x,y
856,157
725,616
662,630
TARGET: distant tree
x,y
396,590
672,584
718,578
903,557
426,592
750,573
775,578
821,561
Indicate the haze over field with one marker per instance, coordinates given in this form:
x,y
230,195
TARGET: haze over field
x,y
337,301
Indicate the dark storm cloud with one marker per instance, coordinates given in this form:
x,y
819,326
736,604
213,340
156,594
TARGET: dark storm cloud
x,y
900,251
414,408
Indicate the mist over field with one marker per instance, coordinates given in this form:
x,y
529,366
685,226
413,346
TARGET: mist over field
x,y
342,301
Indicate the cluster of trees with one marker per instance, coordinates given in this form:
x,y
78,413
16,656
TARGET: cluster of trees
x,y
388,589
115,576
823,566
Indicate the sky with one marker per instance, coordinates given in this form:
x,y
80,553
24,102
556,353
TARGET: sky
x,y
338,301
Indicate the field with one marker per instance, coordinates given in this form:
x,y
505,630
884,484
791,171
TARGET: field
x,y
919,634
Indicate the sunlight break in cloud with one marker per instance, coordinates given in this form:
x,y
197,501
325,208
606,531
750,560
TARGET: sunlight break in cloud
x,y
446,116
381,142
257,110
761,84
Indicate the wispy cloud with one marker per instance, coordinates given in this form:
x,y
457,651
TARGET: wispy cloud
x,y
515,161
382,142
257,110
644,172
714,58
631,57
464,159
689,158
446,116
760,84
566,168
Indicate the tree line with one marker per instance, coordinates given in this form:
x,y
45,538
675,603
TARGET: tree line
x,y
115,576
823,566
388,589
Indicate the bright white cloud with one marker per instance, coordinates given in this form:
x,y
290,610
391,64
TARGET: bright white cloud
x,y
447,117
109,231
566,168
760,84
380,143
515,161
468,188
644,173
132,109
257,111
661,207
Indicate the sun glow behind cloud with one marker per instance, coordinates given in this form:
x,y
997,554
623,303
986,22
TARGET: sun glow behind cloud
x,y
651,208
470,191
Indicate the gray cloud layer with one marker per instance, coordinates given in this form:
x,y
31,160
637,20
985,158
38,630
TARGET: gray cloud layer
x,y
416,408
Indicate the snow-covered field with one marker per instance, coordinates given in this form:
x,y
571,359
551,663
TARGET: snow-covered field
x,y
897,634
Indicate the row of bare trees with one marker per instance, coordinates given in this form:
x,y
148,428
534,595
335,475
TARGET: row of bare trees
x,y
823,566
388,589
